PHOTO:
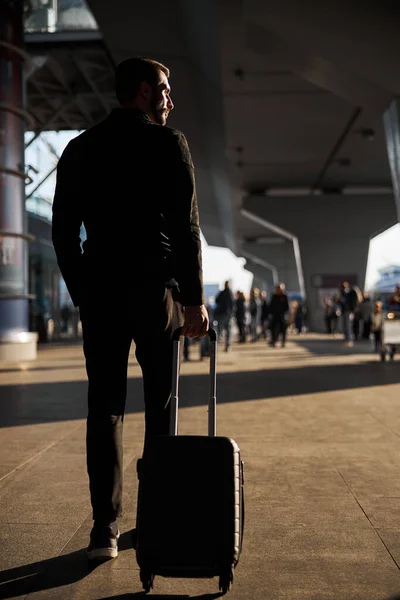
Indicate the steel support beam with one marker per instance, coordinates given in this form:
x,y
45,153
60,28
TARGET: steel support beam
x,y
91,84
262,263
286,234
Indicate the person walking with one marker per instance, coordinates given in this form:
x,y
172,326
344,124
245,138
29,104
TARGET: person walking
x,y
329,310
377,325
365,309
130,180
264,314
255,313
278,309
223,313
240,315
349,303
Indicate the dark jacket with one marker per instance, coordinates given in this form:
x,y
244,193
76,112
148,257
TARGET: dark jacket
x,y
240,310
349,301
278,306
224,303
131,182
255,308
264,310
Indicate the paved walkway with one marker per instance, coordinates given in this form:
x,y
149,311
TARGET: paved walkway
x,y
319,429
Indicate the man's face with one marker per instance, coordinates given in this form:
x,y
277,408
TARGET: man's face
x,y
161,103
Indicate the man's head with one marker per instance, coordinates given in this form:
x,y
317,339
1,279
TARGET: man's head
x,y
142,83
280,289
227,285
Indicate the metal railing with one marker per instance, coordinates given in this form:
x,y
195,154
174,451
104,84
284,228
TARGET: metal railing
x,y
53,16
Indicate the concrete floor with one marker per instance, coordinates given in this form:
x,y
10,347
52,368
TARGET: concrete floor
x,y
319,429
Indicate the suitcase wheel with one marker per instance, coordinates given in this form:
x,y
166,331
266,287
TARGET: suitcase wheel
x,y
225,581
147,580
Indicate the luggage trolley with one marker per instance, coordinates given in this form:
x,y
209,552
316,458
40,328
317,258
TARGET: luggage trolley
x,y
390,333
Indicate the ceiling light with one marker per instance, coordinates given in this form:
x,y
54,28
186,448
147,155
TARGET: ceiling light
x,y
367,133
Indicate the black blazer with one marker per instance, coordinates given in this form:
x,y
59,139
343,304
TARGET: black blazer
x,y
131,183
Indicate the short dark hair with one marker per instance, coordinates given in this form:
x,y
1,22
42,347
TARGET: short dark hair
x,y
131,72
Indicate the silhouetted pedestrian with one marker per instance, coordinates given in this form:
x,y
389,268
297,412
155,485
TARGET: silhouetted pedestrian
x,y
223,314
278,309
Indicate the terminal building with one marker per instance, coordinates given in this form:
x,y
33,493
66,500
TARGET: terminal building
x,y
292,113
295,138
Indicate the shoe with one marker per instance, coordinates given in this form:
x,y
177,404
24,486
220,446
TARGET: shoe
x,y
103,542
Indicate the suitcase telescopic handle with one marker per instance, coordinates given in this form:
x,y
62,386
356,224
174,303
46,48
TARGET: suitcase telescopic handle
x,y
212,401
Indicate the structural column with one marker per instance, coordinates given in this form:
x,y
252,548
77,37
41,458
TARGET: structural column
x,y
16,343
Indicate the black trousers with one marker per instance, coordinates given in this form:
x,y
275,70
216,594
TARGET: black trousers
x,y
278,326
366,329
149,316
242,329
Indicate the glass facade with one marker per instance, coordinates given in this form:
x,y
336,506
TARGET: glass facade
x,y
36,205
52,16
51,303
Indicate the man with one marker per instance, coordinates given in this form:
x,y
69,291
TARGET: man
x,y
348,303
240,314
278,309
130,180
223,313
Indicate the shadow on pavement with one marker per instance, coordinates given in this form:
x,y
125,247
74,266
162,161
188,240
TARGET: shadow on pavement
x,y
44,575
64,570
167,596
53,402
54,367
333,347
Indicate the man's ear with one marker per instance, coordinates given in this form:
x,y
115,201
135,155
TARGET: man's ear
x,y
145,90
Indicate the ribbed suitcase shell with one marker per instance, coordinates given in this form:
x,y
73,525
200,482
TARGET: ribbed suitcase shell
x,y
189,521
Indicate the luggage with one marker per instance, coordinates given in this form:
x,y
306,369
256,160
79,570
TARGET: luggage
x,y
190,514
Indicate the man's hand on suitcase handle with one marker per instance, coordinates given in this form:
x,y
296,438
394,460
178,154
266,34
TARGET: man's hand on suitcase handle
x,y
196,322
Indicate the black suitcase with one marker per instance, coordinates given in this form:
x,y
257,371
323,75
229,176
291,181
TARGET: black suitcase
x,y
190,514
